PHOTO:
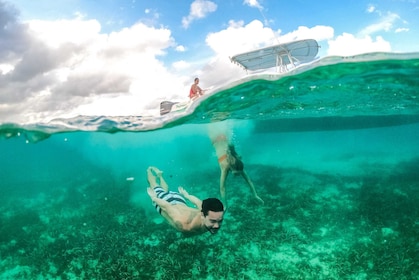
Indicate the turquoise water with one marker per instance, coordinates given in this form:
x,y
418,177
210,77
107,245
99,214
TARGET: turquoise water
x,y
333,151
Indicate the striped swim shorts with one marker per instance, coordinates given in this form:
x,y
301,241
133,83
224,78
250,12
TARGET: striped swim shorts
x,y
169,196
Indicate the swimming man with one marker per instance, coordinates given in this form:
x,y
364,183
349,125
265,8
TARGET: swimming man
x,y
207,216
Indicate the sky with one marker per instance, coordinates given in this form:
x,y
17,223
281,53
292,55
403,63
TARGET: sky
x,y
123,57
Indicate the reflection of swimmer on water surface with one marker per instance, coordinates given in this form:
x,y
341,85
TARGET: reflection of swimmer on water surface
x,y
229,160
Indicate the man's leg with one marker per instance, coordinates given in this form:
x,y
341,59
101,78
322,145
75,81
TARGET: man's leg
x,y
159,174
152,182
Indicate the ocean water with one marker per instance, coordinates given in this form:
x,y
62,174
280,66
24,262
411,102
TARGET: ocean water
x,y
332,149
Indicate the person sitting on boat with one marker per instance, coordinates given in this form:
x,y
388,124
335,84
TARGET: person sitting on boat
x,y
195,90
207,215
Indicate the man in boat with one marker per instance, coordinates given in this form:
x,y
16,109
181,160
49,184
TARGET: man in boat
x,y
207,215
195,90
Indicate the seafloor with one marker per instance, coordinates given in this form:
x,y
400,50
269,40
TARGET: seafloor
x,y
312,226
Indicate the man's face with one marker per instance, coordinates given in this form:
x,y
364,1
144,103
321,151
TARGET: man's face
x,y
213,221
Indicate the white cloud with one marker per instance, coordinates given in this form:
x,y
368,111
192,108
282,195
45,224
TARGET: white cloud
x,y
371,8
399,30
181,65
318,32
6,68
347,45
64,68
180,48
56,33
385,23
199,9
253,3
235,39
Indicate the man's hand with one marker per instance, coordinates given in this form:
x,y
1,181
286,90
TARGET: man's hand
x,y
183,192
151,193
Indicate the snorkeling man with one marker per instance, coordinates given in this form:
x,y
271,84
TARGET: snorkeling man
x,y
195,90
207,216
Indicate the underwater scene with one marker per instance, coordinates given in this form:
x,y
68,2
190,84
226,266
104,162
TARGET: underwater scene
x,y
332,151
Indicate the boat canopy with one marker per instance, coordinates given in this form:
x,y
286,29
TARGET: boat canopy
x,y
279,56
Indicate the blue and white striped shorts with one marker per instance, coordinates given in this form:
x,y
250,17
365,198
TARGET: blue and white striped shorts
x,y
171,197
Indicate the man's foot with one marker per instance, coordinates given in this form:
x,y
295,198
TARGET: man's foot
x,y
151,178
157,172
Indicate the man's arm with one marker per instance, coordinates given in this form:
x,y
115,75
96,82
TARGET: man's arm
x,y
163,204
196,201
